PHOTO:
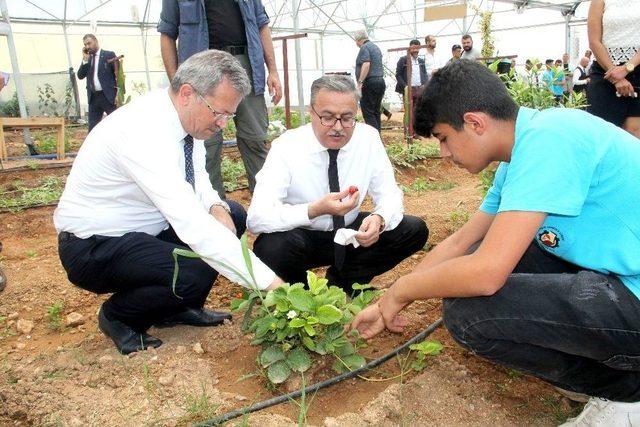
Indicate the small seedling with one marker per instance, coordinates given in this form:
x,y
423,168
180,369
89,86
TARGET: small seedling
x,y
423,351
54,316
199,406
31,253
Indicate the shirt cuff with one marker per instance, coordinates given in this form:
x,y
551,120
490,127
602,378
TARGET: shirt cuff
x,y
168,29
300,215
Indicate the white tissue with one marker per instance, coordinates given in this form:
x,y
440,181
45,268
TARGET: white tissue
x,y
346,236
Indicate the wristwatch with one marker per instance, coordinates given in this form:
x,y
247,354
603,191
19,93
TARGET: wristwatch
x,y
630,67
224,205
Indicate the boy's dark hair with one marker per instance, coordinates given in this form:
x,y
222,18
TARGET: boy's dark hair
x,y
458,88
549,62
414,42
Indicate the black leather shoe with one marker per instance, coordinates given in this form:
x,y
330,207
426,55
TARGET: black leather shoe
x,y
124,337
195,317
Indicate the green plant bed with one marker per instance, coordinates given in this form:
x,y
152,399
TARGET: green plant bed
x,y
293,322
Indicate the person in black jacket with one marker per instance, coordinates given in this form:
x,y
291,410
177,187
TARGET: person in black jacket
x,y
100,68
418,73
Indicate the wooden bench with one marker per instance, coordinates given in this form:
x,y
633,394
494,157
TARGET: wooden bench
x,y
32,122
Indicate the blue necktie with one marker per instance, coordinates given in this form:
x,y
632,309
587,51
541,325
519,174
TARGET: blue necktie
x,y
188,161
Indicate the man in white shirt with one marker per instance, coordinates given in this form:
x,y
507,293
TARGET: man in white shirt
x,y
580,76
138,190
430,56
468,51
313,183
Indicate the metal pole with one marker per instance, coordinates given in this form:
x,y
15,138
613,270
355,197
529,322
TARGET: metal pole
x,y
567,33
15,68
322,53
301,107
285,66
144,44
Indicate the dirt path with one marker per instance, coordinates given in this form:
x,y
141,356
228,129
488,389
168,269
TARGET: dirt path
x,y
74,376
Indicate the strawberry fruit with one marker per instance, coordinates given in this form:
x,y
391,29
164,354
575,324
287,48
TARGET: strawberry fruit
x,y
352,189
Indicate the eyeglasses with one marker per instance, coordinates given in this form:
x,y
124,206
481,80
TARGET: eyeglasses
x,y
217,116
330,121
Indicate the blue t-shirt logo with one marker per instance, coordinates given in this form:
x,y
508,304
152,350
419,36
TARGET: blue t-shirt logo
x,y
550,237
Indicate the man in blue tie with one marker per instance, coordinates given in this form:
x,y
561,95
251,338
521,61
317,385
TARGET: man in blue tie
x,y
138,191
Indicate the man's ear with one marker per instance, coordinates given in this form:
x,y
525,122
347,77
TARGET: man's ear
x,y
476,121
184,94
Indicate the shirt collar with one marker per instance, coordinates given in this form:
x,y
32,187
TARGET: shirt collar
x,y
172,120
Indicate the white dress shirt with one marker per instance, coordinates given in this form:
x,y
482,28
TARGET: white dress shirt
x,y
129,176
430,62
96,80
415,72
295,174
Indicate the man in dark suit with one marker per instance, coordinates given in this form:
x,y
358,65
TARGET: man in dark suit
x,y
417,68
100,68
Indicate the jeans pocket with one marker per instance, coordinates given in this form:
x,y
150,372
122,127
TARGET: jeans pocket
x,y
623,362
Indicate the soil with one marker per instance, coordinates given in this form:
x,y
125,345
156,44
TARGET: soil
x,y
73,375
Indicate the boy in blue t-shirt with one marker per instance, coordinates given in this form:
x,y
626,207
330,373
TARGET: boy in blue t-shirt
x,y
545,277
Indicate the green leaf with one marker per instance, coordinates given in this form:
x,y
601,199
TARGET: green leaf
x,y
300,299
359,287
238,304
328,314
344,350
282,305
297,323
309,330
352,362
430,348
271,355
262,325
247,259
278,372
312,320
298,360
316,285
308,342
333,332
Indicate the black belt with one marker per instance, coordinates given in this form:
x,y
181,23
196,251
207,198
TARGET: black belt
x,y
234,50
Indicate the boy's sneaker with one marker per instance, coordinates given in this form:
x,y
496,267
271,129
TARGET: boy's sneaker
x,y
606,413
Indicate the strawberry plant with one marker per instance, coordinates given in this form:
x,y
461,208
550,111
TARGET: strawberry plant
x,y
292,321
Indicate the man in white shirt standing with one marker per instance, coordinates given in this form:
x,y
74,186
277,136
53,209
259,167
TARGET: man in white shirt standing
x,y
430,56
580,76
138,190
312,185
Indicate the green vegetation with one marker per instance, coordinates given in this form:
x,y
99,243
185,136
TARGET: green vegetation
x,y
54,316
234,176
423,351
422,185
49,190
199,406
458,218
406,155
292,320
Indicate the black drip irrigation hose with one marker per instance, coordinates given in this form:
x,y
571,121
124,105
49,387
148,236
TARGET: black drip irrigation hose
x,y
315,387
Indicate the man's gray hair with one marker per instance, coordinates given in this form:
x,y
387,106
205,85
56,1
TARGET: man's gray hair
x,y
360,35
334,83
205,70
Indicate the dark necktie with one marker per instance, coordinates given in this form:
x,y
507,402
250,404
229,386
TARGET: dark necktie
x,y
92,70
188,161
338,220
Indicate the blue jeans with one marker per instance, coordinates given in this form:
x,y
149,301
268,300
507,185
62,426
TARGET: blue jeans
x,y
576,329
